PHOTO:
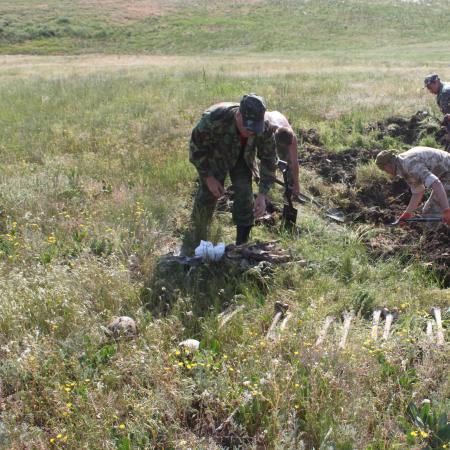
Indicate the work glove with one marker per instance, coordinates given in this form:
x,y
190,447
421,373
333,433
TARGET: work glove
x,y
446,216
405,215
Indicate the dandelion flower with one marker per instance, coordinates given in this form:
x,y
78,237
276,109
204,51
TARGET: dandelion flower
x,y
423,434
413,433
122,426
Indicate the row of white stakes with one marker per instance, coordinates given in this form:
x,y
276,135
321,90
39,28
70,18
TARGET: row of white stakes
x,y
282,316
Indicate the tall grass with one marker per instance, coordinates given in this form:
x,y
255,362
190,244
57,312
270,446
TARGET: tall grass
x,y
95,186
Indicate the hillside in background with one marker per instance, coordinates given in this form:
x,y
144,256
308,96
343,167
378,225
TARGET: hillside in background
x,y
192,27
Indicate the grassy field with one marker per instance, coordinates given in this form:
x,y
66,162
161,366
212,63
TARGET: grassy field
x,y
192,27
95,186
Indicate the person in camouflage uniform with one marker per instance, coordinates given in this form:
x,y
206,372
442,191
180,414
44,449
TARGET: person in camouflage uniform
x,y
224,142
286,143
421,167
442,91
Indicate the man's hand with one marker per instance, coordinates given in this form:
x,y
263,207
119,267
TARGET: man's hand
x,y
260,206
446,216
215,186
405,215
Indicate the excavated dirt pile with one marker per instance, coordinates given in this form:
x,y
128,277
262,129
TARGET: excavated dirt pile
x,y
379,202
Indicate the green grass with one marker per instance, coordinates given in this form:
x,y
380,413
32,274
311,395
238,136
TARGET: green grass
x,y
198,28
95,185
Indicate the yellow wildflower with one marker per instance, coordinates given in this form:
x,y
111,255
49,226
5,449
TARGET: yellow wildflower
x,y
413,433
423,434
122,426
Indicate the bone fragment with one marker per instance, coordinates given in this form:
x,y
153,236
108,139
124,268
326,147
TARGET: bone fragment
x,y
323,333
376,322
347,322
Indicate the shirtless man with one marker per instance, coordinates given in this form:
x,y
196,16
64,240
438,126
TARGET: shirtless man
x,y
286,142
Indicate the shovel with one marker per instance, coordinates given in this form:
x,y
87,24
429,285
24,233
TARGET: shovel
x,y
415,220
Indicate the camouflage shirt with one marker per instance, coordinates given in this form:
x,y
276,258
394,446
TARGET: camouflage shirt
x,y
422,166
443,98
215,146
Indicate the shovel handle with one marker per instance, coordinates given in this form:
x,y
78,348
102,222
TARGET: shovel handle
x,y
415,220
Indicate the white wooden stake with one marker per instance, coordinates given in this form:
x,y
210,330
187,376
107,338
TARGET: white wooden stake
x,y
328,321
376,321
347,321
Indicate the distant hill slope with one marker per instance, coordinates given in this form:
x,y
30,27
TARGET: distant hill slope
x,y
195,27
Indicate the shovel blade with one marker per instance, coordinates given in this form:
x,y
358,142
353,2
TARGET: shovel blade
x,y
336,215
289,217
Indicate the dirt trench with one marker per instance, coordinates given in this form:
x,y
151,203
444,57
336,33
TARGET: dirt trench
x,y
380,202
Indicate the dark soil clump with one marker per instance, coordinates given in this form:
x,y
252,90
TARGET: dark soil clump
x,y
381,202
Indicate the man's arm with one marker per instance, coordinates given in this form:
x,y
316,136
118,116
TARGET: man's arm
x,y
200,154
414,202
441,195
268,157
200,148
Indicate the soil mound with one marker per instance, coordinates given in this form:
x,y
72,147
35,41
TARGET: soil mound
x,y
379,202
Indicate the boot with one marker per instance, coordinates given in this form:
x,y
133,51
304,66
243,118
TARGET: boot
x,y
242,234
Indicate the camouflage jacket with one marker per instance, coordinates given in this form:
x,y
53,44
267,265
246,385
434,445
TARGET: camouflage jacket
x,y
215,146
422,166
443,98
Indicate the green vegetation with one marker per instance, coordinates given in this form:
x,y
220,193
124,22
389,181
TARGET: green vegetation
x,y
95,187
63,26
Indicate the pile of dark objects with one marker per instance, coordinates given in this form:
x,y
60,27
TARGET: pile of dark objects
x,y
381,202
263,254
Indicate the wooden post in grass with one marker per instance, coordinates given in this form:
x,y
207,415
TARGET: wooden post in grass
x,y
436,312
348,316
376,322
323,333
280,311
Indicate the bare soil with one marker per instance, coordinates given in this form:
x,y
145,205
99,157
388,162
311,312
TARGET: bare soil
x,y
379,203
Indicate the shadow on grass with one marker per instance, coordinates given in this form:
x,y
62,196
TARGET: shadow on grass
x,y
195,291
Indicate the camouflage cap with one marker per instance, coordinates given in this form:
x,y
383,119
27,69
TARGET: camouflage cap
x,y
252,108
431,79
384,158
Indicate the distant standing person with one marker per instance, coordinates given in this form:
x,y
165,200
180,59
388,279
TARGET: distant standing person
x,y
286,143
442,92
224,142
421,167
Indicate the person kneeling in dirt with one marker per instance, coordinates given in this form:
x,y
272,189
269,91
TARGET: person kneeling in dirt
x,y
225,141
286,142
421,167
442,91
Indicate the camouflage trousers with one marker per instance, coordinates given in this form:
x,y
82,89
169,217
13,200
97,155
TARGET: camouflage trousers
x,y
205,203
432,206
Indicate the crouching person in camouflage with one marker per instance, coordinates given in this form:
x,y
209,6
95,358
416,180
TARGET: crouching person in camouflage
x,y
226,141
421,167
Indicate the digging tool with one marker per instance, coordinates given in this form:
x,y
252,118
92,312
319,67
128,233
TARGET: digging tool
x,y
415,220
333,213
347,322
436,313
323,333
289,212
280,312
376,321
